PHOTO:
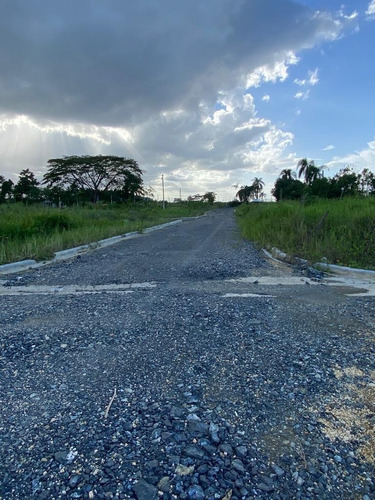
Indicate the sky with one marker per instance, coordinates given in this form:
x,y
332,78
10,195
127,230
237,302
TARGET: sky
x,y
208,94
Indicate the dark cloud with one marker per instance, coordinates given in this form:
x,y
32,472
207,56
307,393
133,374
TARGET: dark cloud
x,y
115,62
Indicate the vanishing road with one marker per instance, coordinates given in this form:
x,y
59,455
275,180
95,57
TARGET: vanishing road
x,y
185,364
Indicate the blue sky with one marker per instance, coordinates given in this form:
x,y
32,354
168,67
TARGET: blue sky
x,y
209,94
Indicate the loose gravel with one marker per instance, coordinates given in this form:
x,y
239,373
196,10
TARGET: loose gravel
x,y
180,391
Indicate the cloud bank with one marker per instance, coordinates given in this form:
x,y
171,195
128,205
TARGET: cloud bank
x,y
166,82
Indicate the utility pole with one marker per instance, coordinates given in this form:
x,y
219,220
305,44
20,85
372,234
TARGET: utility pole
x,y
162,183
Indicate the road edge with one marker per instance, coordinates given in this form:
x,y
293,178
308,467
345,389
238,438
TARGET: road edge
x,y
283,257
25,265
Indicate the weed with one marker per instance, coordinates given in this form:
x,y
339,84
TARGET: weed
x,y
342,231
37,232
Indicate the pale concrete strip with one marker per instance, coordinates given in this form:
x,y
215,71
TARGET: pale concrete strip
x,y
74,289
353,282
249,295
275,280
336,281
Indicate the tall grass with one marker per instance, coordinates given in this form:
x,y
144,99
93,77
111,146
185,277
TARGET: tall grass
x,y
342,231
37,232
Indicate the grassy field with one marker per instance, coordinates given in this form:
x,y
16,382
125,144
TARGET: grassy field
x,y
341,231
36,232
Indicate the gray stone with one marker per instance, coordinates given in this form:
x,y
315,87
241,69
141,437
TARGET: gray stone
x,y
196,492
197,427
193,451
241,451
145,491
238,465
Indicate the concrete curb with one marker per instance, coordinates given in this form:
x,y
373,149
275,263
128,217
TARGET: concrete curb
x,y
24,265
282,257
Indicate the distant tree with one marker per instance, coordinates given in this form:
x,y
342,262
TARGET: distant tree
x,y
320,187
210,197
2,180
257,186
95,174
6,189
287,189
367,182
287,174
26,189
303,166
195,197
345,183
245,194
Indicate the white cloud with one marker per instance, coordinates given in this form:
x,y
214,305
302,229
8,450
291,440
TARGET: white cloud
x,y
303,95
370,12
329,148
271,73
358,159
310,81
266,98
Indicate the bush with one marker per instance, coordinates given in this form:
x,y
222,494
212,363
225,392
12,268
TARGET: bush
x,y
48,223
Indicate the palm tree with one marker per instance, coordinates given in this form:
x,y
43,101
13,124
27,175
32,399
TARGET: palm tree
x,y
245,194
287,174
311,174
257,186
308,170
303,166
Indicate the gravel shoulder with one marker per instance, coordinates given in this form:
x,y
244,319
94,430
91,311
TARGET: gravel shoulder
x,y
162,373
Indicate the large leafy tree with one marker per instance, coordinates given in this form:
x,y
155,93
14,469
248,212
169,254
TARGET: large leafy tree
x,y
95,174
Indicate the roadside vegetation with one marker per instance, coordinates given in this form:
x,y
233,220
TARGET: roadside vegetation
x,y
36,231
80,200
317,218
341,231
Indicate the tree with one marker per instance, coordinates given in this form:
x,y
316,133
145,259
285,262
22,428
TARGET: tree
x,y
257,186
210,197
26,188
302,166
195,197
320,187
6,189
95,174
287,189
245,194
287,174
367,181
345,183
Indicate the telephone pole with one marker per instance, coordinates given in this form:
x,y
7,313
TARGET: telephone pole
x,y
162,183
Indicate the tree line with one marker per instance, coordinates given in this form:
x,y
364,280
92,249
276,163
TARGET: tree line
x,y
314,183
78,179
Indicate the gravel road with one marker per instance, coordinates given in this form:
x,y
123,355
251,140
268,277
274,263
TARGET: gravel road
x,y
154,369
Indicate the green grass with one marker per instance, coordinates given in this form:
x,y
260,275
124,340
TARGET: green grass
x,y
37,232
342,231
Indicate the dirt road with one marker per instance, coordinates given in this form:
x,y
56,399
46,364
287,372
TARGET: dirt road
x,y
185,364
